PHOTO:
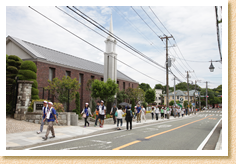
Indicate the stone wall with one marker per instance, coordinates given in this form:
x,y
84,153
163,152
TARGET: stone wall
x,y
64,118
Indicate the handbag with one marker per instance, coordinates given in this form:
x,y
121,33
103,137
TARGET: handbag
x,y
84,115
116,114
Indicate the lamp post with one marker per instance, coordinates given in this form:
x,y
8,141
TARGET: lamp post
x,y
211,67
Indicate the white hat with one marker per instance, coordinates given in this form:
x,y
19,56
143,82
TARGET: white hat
x,y
50,103
86,103
102,101
45,102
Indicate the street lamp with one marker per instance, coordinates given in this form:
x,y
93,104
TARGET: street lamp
x,y
211,67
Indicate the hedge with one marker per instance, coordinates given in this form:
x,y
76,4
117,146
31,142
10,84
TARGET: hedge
x,y
34,91
7,57
29,65
11,76
28,74
10,81
12,69
35,84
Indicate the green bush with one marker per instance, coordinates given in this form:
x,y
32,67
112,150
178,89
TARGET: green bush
x,y
59,107
12,69
30,108
29,65
14,57
34,91
12,76
35,84
28,74
108,116
8,109
7,57
34,97
11,62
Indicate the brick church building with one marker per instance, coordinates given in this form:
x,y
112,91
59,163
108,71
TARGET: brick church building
x,y
51,63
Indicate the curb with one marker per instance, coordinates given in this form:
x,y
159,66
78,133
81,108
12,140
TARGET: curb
x,y
219,143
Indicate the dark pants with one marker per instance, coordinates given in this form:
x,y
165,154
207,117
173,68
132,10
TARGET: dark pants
x,y
119,121
178,114
162,115
127,125
85,121
157,116
114,118
152,115
135,115
97,117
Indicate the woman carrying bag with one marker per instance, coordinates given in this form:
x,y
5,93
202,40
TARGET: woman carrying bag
x,y
86,112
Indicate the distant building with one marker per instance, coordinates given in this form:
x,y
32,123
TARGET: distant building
x,y
158,96
180,94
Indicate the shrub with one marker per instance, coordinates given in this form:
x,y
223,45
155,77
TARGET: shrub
x,y
34,91
14,57
34,97
12,69
108,116
59,107
30,108
28,74
8,109
35,84
29,65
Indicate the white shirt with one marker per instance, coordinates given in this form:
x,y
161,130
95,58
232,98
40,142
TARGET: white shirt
x,y
143,111
157,110
183,111
164,111
179,110
120,113
102,112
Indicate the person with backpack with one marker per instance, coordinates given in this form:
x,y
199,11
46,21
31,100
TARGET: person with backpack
x,y
51,115
97,113
119,117
113,111
157,112
128,118
45,105
143,113
86,114
102,113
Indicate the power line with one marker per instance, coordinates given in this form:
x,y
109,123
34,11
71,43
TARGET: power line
x,y
105,37
144,21
90,43
113,35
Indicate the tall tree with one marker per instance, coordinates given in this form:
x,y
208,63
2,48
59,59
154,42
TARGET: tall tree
x,y
138,95
150,96
59,88
13,64
144,86
158,86
121,96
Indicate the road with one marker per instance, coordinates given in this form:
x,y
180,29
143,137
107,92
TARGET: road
x,y
187,133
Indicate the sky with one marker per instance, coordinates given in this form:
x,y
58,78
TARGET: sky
x,y
193,28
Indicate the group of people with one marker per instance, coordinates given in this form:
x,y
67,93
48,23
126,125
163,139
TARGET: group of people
x,y
48,114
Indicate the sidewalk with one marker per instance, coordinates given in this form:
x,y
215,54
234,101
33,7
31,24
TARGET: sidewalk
x,y
28,138
219,143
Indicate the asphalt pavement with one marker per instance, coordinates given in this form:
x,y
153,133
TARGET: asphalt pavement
x,y
187,133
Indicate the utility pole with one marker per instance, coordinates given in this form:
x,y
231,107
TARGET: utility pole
x,y
174,91
188,85
167,75
198,95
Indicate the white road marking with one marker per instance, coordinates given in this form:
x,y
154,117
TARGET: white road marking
x,y
164,126
200,147
69,148
123,135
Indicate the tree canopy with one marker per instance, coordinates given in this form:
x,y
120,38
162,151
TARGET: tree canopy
x,y
150,96
144,86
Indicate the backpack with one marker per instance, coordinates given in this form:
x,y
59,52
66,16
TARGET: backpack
x,y
56,115
131,113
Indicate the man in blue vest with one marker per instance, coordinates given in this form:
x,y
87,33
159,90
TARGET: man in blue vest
x,y
49,115
138,113
45,105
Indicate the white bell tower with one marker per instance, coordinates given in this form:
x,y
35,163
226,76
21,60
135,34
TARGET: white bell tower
x,y
110,56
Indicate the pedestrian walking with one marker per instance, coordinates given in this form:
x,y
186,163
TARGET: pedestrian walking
x,y
113,111
152,112
179,110
143,114
97,113
44,108
165,112
162,112
50,115
157,112
119,117
102,113
182,112
138,113
128,118
135,112
86,112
